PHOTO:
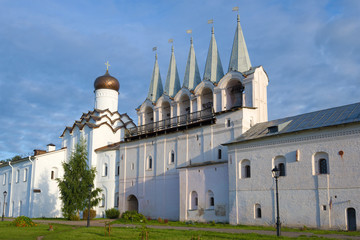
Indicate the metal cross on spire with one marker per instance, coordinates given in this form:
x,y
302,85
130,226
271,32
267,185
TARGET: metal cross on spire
x,y
235,9
189,31
107,65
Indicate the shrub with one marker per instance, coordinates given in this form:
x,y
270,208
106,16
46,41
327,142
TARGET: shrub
x,y
112,213
75,217
23,221
133,216
92,214
166,221
160,220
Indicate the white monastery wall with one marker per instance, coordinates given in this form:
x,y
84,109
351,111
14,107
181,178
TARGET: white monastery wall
x,y
205,181
45,193
304,193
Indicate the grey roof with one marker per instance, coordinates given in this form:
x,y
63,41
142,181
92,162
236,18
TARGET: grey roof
x,y
239,60
319,119
192,75
172,84
156,87
213,68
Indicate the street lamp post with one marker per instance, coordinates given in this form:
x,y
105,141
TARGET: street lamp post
x,y
88,216
2,218
276,174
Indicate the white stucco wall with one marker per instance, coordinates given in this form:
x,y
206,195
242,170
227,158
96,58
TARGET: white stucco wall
x,y
303,193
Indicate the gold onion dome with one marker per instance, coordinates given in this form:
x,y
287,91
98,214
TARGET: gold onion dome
x,y
107,82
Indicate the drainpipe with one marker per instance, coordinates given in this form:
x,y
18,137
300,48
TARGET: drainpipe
x,y
11,190
31,194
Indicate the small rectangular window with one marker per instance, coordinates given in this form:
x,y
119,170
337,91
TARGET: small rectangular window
x,y
228,122
52,175
211,201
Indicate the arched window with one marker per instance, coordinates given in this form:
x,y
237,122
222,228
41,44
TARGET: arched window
x,y
321,163
4,179
210,201
102,200
245,169
53,173
149,163
206,100
219,153
234,94
257,211
280,163
149,119
165,115
25,174
105,170
323,166
184,109
17,175
171,157
116,200
117,173
193,201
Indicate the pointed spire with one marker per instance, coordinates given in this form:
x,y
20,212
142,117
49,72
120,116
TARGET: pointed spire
x,y
213,68
156,87
239,60
172,84
192,74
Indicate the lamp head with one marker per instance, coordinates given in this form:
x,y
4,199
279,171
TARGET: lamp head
x,y
5,193
275,172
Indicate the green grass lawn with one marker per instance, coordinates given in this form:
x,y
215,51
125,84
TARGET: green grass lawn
x,y
7,231
225,225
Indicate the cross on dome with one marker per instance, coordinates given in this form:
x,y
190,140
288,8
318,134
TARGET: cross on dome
x,y
107,65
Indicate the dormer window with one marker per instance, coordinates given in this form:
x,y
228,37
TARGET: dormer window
x,y
273,129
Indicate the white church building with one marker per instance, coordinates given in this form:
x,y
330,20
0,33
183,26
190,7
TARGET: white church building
x,y
204,151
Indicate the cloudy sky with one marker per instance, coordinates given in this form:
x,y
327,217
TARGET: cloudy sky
x,y
52,51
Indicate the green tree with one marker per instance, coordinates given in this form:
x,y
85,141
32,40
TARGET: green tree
x,y
74,186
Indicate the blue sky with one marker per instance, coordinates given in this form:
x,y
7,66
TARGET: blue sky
x,y
52,51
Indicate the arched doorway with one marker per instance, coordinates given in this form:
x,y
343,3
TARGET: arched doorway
x,y
351,219
133,204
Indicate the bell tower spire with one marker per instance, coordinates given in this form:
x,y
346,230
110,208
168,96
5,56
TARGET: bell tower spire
x,y
213,68
156,87
192,75
239,60
172,84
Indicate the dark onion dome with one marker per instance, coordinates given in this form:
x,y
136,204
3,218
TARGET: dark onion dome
x,y
107,82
